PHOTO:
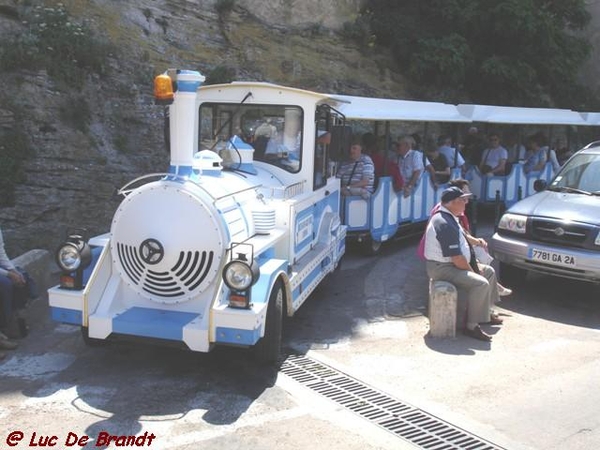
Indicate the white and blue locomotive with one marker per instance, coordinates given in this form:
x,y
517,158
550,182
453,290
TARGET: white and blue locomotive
x,y
236,235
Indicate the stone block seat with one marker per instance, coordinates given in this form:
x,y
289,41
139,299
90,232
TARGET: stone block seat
x,y
443,299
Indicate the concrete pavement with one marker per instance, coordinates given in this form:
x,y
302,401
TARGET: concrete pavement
x,y
533,387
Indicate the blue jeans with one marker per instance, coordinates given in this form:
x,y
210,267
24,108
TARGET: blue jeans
x,y
6,298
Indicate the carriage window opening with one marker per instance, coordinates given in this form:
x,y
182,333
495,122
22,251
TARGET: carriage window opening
x,y
273,132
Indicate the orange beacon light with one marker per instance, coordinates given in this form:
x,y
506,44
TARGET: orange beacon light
x,y
163,89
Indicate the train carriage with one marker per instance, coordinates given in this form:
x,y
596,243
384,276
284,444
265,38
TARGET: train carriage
x,y
388,213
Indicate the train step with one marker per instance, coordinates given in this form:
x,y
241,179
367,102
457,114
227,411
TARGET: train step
x,y
154,323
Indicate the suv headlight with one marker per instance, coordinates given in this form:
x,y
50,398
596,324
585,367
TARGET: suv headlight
x,y
513,223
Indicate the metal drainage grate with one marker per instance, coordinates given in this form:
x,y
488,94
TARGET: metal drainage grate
x,y
405,421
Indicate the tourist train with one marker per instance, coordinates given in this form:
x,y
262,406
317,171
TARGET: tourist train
x,y
249,218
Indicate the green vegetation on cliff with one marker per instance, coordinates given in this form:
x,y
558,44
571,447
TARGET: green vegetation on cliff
x,y
513,52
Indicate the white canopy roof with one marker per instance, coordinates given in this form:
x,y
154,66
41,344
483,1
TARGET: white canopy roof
x,y
521,116
591,118
366,108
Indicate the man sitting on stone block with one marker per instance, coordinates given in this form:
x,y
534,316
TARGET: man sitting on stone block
x,y
450,258
10,278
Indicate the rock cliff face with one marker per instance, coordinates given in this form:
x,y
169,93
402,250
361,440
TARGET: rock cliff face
x,y
330,14
74,171
86,142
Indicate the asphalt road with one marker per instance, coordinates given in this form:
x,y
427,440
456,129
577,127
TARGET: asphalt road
x,y
533,387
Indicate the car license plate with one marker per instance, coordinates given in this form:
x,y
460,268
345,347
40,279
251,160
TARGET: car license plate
x,y
561,259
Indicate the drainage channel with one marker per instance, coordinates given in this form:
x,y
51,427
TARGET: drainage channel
x,y
401,419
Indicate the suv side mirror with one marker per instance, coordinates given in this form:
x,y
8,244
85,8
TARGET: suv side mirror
x,y
539,185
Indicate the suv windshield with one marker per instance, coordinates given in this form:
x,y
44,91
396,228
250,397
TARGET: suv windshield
x,y
581,174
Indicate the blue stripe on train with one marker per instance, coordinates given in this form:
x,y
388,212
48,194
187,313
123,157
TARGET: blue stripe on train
x,y
65,315
226,335
154,323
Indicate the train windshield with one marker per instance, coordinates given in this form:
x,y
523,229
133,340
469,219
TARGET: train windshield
x,y
581,174
273,132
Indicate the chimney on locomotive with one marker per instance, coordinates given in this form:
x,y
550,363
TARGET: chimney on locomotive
x,y
177,90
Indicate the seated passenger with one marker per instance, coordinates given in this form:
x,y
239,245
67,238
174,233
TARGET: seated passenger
x,y
357,174
410,163
384,166
13,286
551,156
516,151
441,169
473,146
493,161
537,155
563,153
452,155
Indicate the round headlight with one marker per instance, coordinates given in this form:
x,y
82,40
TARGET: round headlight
x,y
68,257
238,275
74,254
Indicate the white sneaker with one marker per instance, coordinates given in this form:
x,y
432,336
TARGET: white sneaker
x,y
503,292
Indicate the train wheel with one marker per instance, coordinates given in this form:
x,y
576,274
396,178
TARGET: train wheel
x,y
267,350
371,247
91,342
511,275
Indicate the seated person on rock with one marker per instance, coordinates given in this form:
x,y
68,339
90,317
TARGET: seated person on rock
x,y
449,258
357,174
10,281
463,220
